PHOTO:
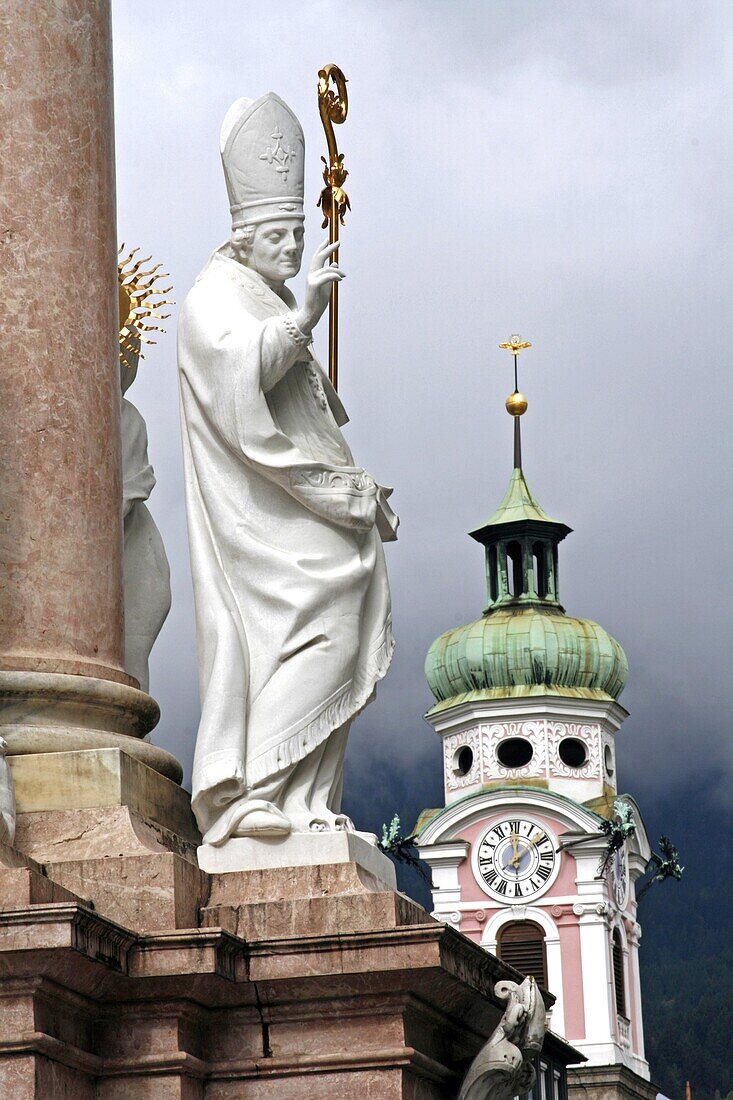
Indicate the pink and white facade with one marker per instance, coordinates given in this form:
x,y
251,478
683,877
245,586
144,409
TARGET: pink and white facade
x,y
577,911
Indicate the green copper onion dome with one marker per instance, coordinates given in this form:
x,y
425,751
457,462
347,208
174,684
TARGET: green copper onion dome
x,y
524,643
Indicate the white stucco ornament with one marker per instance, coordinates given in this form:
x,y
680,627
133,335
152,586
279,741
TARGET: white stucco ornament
x,y
292,600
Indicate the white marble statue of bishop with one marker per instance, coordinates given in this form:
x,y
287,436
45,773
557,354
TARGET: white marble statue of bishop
x,y
292,599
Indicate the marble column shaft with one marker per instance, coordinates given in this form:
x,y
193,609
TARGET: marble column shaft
x,y
60,519
63,687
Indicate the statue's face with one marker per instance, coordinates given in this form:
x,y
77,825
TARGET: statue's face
x,y
277,249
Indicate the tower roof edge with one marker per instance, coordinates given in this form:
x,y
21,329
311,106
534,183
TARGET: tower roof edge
x,y
519,506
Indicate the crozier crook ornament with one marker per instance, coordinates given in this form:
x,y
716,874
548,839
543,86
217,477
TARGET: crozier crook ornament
x,y
333,107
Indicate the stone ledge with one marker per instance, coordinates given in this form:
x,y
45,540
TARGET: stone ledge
x,y
301,915
608,1083
24,882
133,871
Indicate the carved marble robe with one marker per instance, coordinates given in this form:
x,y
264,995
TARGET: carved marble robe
x,y
292,600
146,571
7,798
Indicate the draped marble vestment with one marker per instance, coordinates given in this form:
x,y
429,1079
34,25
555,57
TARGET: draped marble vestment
x,y
145,565
292,600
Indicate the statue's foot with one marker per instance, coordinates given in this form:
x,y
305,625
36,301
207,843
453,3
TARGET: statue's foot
x,y
319,820
326,822
260,819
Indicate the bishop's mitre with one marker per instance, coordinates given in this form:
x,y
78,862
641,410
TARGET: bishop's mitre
x,y
263,153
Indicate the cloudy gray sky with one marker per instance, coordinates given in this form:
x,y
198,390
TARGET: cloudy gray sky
x,y
558,169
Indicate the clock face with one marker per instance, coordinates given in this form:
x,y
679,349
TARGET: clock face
x,y
620,878
515,859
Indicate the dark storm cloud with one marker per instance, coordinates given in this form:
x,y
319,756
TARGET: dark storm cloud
x,y
558,169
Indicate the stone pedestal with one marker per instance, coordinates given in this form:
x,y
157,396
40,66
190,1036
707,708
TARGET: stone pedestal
x,y
126,970
94,1010
300,850
98,778
108,828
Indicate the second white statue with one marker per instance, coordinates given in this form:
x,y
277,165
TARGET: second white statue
x,y
292,599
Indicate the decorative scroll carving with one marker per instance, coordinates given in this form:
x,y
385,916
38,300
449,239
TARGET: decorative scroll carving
x,y
608,755
591,738
468,739
97,938
534,732
503,1067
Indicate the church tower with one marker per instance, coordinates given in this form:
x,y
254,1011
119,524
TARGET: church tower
x,y
527,711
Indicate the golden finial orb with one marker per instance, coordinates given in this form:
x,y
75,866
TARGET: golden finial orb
x,y
516,404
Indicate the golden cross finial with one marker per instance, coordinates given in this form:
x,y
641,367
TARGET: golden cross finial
x,y
515,344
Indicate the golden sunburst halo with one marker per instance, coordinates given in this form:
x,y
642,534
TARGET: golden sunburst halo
x,y
140,304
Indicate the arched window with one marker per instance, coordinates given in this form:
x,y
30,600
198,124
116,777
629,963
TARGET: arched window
x,y
521,943
493,578
515,578
618,973
540,572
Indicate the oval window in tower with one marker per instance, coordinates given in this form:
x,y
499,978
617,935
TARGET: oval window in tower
x,y
515,752
462,760
573,752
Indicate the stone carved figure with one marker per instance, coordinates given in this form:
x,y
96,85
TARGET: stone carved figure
x,y
7,798
503,1067
146,573
292,599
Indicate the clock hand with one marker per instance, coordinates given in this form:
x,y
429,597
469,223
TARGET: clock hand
x,y
516,858
532,842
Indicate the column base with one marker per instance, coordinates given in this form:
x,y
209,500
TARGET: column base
x,y
44,712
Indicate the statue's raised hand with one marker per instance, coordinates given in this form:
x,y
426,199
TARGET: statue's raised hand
x,y
321,277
